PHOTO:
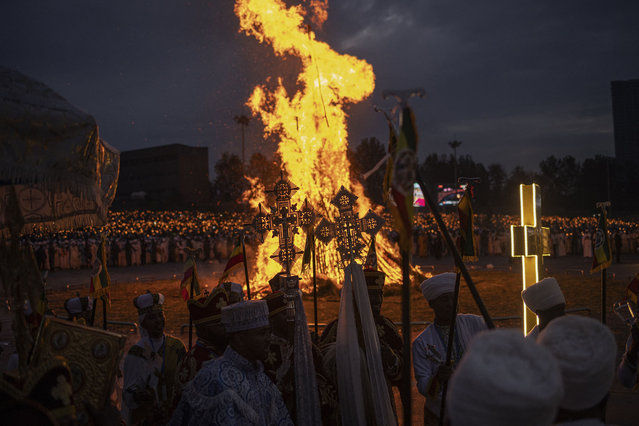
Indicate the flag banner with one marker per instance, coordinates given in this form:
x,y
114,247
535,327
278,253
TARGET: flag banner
x,y
465,210
401,177
100,279
190,278
633,289
308,253
371,257
602,255
236,260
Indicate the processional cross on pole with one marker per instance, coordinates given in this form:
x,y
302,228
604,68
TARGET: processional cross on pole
x,y
283,221
531,242
348,228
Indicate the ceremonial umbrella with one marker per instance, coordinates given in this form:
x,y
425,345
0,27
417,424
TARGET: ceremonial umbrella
x,y
55,173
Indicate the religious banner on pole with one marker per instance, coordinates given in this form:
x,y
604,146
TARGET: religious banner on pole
x,y
602,254
100,278
400,175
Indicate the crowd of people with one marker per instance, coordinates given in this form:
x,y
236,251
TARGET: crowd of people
x,y
255,362
569,236
144,237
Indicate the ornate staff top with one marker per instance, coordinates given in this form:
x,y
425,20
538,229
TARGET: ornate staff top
x,y
283,220
348,227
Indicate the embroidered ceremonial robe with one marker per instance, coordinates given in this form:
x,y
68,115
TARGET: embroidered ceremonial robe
x,y
230,390
146,368
429,353
192,363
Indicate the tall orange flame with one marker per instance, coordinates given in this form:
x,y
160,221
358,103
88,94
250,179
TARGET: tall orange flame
x,y
310,123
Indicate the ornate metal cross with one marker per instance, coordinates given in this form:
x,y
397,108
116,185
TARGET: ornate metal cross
x,y
283,221
348,228
531,242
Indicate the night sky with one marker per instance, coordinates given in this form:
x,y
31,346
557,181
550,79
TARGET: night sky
x,y
515,81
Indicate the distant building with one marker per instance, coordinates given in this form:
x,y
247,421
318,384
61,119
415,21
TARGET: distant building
x,y
164,177
625,116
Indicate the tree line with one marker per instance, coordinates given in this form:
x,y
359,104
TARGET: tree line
x,y
568,187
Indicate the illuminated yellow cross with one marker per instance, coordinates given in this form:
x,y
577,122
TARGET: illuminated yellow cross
x,y
531,242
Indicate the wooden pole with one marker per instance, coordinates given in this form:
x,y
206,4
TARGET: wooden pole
x,y
406,331
314,285
246,275
449,347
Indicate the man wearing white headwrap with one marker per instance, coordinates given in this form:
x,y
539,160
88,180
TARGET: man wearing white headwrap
x,y
546,300
234,290
233,389
504,380
79,309
150,366
429,348
586,352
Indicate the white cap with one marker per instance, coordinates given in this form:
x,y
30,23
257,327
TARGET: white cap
x,y
74,305
440,284
148,302
245,315
586,352
504,379
234,288
543,295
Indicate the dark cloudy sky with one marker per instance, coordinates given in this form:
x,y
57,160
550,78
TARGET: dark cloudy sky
x,y
516,81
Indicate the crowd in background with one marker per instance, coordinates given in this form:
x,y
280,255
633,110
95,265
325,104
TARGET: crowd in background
x,y
144,237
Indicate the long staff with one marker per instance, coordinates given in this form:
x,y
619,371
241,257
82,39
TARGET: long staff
x,y
453,318
314,285
453,249
246,274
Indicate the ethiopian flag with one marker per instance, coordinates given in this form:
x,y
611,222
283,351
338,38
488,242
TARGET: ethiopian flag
x,y
400,176
100,279
236,259
190,278
465,210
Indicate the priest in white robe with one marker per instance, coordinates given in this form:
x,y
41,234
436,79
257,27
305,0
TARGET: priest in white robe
x,y
429,348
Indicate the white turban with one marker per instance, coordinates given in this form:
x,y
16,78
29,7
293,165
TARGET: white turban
x,y
74,305
504,379
586,351
234,288
146,303
543,295
440,284
245,315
